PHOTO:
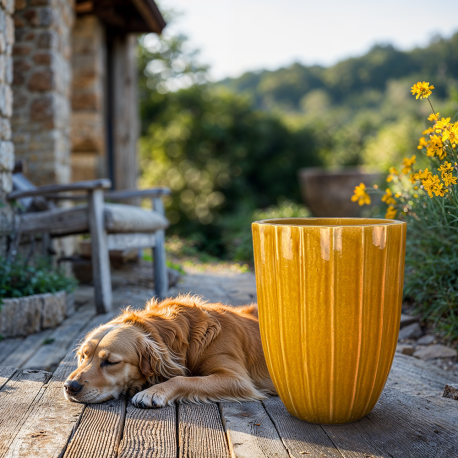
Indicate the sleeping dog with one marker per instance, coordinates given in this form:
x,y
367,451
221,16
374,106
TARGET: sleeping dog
x,y
181,349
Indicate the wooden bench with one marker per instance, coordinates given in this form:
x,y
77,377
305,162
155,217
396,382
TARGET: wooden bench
x,y
111,226
36,421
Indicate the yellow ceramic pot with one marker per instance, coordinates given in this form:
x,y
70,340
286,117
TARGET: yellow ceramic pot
x,y
329,296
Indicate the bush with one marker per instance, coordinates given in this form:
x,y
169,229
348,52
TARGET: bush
x,y
18,279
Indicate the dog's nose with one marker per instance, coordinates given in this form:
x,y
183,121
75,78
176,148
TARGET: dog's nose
x,y
72,387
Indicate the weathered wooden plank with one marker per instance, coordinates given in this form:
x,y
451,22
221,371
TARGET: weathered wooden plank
x,y
250,431
47,430
413,376
6,347
133,194
16,398
100,260
299,437
127,241
99,431
408,426
49,356
149,433
5,374
52,188
201,432
27,348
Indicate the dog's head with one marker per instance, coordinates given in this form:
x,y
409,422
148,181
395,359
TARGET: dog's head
x,y
118,358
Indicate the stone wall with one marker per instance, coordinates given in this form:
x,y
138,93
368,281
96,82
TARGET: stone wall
x,y
6,100
42,86
88,99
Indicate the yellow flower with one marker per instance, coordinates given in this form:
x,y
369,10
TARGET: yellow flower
x,y
388,197
451,134
428,131
416,196
361,195
445,167
433,117
393,174
448,178
422,90
390,212
443,124
408,163
422,142
435,147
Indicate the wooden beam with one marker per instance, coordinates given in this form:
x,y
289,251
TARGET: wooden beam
x,y
151,14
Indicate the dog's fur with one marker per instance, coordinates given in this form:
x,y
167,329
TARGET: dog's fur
x,y
181,349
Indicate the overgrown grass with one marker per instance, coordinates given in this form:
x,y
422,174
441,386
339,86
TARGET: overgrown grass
x,y
432,262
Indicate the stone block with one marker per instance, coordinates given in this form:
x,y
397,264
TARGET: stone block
x,y
6,183
2,43
435,351
6,100
41,80
31,15
5,129
40,2
22,50
43,58
19,4
426,340
42,109
6,156
53,310
9,30
411,331
47,40
30,315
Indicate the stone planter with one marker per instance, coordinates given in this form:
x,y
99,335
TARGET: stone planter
x,y
29,314
328,193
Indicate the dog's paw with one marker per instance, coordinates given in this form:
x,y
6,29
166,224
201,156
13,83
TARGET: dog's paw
x,y
148,399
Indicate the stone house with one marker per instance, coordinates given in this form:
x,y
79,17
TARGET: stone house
x,y
68,101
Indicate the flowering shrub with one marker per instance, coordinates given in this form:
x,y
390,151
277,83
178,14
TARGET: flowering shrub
x,y
427,199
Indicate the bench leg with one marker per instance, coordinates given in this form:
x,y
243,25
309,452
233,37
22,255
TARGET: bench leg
x,y
161,280
100,257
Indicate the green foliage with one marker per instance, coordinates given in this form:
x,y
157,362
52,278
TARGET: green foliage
x,y
18,279
237,232
432,261
221,157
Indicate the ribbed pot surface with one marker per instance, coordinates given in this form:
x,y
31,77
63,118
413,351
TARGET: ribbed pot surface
x,y
329,295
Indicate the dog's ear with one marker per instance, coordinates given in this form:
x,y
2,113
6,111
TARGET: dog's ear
x,y
156,362
203,332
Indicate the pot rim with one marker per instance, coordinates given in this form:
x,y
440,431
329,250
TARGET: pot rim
x,y
331,222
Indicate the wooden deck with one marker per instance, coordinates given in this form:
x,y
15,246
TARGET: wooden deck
x,y
410,420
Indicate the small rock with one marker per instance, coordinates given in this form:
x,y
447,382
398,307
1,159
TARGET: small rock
x,y
435,351
405,349
450,392
426,340
412,331
407,319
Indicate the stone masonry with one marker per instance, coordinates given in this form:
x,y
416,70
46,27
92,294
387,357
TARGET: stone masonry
x,y
6,101
42,86
88,99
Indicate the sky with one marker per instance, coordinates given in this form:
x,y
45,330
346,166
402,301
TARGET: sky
x,y
236,36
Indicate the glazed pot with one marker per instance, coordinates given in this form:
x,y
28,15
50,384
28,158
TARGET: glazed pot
x,y
329,296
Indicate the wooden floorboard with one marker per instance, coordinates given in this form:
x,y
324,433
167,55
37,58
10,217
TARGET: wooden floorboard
x,y
149,433
99,431
47,430
300,438
49,356
200,432
414,376
250,431
5,374
26,349
17,396
7,346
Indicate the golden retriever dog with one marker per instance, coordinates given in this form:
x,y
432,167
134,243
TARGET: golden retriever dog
x,y
181,349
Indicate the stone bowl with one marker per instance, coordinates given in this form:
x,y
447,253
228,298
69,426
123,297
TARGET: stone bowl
x,y
328,193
